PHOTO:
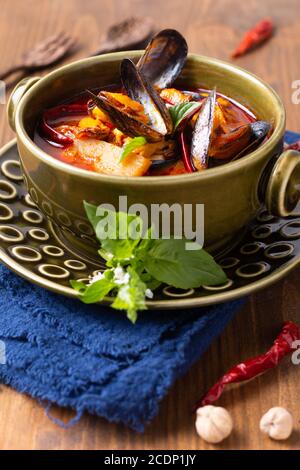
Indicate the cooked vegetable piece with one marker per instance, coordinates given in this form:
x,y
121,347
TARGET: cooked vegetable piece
x,y
105,158
173,96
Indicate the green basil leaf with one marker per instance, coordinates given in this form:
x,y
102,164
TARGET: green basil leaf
x,y
180,111
118,232
97,291
118,235
131,296
106,255
144,244
149,280
109,223
119,226
135,143
121,249
168,261
90,210
78,285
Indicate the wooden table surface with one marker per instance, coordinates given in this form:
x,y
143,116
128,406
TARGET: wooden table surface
x,y
211,27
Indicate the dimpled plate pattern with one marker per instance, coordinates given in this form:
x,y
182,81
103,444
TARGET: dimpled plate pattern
x,y
34,248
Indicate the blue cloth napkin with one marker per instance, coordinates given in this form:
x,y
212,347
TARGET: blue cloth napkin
x,y
91,358
291,137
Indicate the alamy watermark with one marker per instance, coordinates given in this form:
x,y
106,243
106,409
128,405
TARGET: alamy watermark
x,y
296,93
296,354
2,353
167,221
2,92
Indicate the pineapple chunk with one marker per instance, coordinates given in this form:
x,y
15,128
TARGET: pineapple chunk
x,y
106,158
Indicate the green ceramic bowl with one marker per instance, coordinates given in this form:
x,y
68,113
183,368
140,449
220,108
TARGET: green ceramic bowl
x,y
232,194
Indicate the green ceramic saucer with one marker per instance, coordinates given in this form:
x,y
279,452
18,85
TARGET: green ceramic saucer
x,y
42,253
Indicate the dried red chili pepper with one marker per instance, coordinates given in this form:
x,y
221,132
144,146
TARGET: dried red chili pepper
x,y
51,134
58,112
262,31
250,368
185,154
294,146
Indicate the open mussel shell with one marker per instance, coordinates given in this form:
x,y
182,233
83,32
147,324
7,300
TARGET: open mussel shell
x,y
226,146
260,130
124,121
240,141
201,138
163,58
139,89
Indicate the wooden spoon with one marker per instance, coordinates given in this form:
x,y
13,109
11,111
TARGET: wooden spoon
x,y
44,54
129,34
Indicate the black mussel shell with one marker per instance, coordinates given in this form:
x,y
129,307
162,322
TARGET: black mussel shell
x,y
123,121
201,137
163,58
260,130
140,90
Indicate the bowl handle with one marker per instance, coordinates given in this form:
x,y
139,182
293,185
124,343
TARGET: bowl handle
x,y
16,96
283,188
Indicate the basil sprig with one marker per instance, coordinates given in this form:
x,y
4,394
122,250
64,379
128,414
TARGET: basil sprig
x,y
136,264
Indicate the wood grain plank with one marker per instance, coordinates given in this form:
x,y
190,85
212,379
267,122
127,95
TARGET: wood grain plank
x,y
211,28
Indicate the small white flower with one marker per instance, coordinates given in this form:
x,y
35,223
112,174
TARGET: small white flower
x,y
120,276
119,272
96,277
149,293
124,294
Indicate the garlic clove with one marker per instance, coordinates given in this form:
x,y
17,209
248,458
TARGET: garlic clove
x,y
277,423
213,423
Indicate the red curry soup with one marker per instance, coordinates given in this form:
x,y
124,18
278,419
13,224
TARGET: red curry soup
x,y
148,127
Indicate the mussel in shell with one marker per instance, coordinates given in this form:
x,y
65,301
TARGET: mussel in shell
x,y
260,130
238,141
139,89
222,146
164,58
202,132
158,122
159,66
